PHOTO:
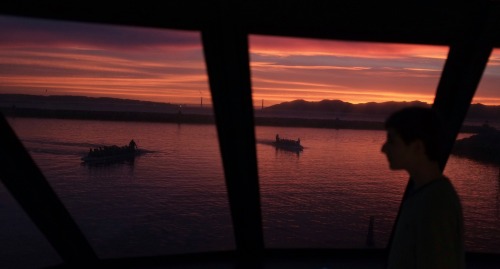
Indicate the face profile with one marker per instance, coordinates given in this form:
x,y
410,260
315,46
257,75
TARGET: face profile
x,y
399,154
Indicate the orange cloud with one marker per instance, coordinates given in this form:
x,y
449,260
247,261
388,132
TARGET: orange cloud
x,y
286,46
168,66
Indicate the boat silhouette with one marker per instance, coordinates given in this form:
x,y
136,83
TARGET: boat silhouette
x,y
288,144
112,154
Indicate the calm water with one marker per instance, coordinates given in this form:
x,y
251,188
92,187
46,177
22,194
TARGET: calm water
x,y
173,198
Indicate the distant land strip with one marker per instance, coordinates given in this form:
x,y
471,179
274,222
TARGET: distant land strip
x,y
334,114
107,115
181,118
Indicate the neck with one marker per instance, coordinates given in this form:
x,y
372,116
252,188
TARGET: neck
x,y
425,173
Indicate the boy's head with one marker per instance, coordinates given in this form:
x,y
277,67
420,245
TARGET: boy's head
x,y
418,123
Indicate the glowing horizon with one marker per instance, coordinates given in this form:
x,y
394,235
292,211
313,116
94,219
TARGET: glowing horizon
x,y
66,58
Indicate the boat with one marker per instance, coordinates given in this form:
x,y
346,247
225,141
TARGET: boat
x,y
288,144
112,154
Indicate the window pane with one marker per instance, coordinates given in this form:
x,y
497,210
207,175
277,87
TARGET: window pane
x,y
23,245
338,192
98,87
479,183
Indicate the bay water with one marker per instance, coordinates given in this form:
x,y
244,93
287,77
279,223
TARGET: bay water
x,y
173,199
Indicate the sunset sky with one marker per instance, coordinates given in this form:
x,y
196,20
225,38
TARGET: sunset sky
x,y
66,58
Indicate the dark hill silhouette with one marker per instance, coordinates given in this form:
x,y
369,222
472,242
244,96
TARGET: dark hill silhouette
x,y
323,114
483,146
101,108
82,103
343,107
476,111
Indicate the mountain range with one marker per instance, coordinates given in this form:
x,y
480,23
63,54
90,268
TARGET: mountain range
x,y
476,111
293,108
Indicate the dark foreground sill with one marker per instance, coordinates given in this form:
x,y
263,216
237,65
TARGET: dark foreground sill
x,y
276,259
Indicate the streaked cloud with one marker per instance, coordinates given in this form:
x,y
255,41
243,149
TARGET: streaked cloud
x,y
26,32
287,46
99,60
168,65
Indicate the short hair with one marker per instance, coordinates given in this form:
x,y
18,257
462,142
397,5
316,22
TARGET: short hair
x,y
418,123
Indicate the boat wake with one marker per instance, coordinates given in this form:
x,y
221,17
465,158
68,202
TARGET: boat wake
x,y
265,142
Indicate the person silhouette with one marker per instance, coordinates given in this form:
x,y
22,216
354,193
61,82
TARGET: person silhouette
x,y
132,145
429,229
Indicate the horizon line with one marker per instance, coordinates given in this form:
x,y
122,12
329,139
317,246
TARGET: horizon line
x,y
210,104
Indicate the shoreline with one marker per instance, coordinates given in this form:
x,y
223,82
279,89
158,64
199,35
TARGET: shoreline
x,y
184,118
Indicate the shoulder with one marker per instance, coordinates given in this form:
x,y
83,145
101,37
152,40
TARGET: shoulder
x,y
438,188
438,193
439,198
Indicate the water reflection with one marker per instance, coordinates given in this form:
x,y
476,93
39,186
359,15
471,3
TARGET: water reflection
x,y
285,152
110,165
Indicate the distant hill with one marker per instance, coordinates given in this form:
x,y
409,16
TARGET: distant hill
x,y
298,107
70,102
105,108
323,114
337,107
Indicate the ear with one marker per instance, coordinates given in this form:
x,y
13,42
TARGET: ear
x,y
418,147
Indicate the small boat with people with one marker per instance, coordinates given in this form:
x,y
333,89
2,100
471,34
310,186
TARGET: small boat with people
x,y
111,154
288,144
